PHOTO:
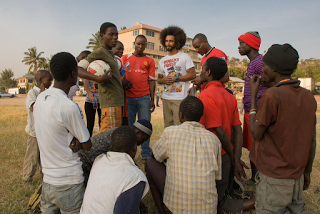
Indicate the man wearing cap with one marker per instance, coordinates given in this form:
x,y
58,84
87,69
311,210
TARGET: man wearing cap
x,y
101,143
283,124
249,44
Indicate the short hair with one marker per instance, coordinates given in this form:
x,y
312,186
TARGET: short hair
x,y
192,108
42,73
123,139
200,36
180,36
61,65
118,42
84,54
217,66
105,26
141,36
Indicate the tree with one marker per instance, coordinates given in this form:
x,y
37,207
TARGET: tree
x,y
239,72
94,42
44,63
7,80
123,28
32,58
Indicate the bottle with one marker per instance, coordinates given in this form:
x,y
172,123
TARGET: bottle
x,y
94,102
193,91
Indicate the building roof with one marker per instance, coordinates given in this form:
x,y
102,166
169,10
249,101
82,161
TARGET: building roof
x,y
236,79
27,76
139,25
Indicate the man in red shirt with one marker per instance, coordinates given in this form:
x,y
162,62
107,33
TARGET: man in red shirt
x,y
219,116
140,98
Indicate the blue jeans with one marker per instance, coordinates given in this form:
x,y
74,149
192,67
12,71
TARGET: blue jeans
x,y
140,105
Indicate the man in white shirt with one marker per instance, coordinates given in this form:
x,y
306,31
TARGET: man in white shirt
x,y
58,121
175,71
116,185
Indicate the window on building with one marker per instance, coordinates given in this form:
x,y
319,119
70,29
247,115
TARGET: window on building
x,y
30,81
154,57
135,33
195,55
150,33
162,48
150,45
24,80
159,57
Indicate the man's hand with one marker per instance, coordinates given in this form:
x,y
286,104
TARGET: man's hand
x,y
239,170
168,80
255,84
196,81
91,96
42,87
75,145
126,84
106,77
307,181
152,106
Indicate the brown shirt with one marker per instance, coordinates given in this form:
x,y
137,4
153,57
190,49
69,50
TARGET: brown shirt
x,y
288,112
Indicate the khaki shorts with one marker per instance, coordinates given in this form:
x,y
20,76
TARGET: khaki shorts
x,y
31,159
171,112
279,195
110,118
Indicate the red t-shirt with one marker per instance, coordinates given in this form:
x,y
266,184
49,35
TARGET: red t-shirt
x,y
140,70
220,109
214,53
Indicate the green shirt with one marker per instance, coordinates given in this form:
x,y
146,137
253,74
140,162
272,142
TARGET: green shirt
x,y
110,93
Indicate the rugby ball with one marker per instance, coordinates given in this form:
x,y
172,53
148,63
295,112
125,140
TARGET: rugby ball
x,y
98,67
120,63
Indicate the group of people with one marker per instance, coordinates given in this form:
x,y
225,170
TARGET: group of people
x,y
195,164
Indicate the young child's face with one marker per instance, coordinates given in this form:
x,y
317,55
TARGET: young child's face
x,y
47,80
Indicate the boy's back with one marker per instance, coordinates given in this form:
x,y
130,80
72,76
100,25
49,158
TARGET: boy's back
x,y
288,112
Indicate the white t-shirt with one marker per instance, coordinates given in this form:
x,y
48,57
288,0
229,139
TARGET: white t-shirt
x,y
57,120
111,174
31,99
170,66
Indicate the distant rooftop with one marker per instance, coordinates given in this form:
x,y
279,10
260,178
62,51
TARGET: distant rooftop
x,y
139,25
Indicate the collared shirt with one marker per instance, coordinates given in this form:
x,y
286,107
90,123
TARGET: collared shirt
x,y
31,99
220,108
57,121
288,113
214,52
193,165
112,174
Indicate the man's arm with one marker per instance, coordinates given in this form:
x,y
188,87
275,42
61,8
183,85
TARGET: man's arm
x,y
88,89
225,142
168,80
239,164
308,169
99,79
152,89
191,73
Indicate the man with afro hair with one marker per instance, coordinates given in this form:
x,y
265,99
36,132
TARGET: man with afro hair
x,y
174,71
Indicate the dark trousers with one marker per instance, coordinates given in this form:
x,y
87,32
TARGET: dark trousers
x,y
91,114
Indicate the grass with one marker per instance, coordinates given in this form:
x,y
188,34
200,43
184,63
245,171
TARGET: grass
x,y
15,193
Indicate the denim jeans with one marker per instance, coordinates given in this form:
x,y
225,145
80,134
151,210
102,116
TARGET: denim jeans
x,y
140,105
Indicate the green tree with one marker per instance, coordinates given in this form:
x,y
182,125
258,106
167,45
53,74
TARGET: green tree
x,y
44,63
94,42
32,58
7,80
123,28
239,72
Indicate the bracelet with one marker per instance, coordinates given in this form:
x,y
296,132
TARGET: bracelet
x,y
254,109
252,112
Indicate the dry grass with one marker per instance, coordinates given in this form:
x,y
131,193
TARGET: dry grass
x,y
14,193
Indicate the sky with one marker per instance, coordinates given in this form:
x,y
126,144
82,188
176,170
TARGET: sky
x,y
66,25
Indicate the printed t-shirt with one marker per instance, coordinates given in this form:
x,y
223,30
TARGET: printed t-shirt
x,y
220,109
30,100
254,68
214,52
140,70
57,121
288,112
171,66
110,93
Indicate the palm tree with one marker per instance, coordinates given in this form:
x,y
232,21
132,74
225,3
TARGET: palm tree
x,y
32,58
95,42
44,63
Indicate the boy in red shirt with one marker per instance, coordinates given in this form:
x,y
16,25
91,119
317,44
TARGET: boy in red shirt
x,y
140,98
219,116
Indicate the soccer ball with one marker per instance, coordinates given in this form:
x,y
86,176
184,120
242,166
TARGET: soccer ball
x,y
120,63
98,67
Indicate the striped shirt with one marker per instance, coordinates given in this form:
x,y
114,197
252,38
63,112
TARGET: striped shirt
x,y
193,165
254,68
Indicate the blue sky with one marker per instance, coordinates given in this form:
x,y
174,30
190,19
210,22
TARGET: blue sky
x,y
55,25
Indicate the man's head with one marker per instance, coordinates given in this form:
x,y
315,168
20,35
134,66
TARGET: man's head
x,y
172,38
83,55
124,140
140,44
214,69
118,49
249,41
191,109
64,68
280,60
109,35
143,129
200,43
43,77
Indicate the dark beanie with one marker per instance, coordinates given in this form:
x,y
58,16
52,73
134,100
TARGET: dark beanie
x,y
282,58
